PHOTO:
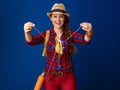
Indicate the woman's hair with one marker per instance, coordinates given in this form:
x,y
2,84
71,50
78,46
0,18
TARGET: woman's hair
x,y
67,32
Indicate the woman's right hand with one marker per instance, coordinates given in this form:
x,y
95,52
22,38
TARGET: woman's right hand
x,y
28,26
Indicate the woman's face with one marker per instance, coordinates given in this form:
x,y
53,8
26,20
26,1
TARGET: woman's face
x,y
57,20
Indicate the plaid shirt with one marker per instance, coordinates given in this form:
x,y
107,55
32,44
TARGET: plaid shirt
x,y
54,63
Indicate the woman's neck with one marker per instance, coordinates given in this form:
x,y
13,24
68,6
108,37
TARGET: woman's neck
x,y
58,30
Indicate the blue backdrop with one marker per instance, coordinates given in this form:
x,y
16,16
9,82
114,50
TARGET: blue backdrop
x,y
97,65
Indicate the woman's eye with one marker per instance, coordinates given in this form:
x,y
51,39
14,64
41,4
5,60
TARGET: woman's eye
x,y
61,16
55,16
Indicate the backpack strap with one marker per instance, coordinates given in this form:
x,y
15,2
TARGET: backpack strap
x,y
45,42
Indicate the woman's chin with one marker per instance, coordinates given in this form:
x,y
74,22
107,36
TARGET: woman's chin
x,y
58,27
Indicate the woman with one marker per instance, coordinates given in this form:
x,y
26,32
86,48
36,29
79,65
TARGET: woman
x,y
59,69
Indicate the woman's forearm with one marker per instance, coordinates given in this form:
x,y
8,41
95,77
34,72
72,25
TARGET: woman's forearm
x,y
28,36
88,35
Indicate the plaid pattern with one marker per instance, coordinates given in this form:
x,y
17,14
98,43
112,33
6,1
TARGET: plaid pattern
x,y
54,63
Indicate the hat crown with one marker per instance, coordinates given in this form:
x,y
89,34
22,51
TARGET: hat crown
x,y
59,6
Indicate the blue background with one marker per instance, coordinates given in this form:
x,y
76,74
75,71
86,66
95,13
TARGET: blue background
x,y
97,65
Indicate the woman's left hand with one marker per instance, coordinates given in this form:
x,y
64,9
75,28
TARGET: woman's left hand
x,y
86,26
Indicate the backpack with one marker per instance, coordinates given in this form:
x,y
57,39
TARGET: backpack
x,y
45,42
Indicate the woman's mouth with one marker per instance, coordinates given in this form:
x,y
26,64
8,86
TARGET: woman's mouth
x,y
58,24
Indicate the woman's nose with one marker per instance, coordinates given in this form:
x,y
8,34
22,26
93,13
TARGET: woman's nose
x,y
58,19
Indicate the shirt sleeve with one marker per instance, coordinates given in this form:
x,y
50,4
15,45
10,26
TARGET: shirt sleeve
x,y
37,39
78,37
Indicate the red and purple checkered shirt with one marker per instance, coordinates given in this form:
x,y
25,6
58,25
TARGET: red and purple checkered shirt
x,y
54,63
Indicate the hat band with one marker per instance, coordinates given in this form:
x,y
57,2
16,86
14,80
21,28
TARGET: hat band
x,y
58,10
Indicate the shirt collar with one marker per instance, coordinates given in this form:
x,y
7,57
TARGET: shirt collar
x,y
53,32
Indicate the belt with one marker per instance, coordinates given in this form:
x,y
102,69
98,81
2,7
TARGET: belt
x,y
58,73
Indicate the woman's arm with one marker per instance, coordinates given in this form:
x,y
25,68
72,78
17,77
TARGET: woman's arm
x,y
83,38
88,35
89,31
32,40
27,28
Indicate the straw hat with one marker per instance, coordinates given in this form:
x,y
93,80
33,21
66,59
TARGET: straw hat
x,y
58,8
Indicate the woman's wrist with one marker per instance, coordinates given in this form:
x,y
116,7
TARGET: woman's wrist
x,y
89,33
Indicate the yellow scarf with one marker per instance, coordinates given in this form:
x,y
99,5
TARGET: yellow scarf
x,y
58,48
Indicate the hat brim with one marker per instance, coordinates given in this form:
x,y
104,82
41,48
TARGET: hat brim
x,y
67,14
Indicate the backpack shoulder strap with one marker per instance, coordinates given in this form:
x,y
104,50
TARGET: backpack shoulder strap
x,y
45,42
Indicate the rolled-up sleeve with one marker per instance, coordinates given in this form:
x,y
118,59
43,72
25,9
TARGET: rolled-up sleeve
x,y
37,39
78,38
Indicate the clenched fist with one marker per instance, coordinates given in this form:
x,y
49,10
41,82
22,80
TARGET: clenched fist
x,y
28,26
86,26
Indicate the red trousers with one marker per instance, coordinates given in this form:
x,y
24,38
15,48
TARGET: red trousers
x,y
64,82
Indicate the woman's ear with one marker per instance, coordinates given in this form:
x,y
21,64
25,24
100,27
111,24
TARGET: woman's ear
x,y
51,17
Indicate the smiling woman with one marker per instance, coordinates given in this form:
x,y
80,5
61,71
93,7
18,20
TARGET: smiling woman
x,y
57,20
59,68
